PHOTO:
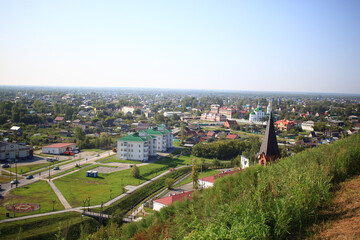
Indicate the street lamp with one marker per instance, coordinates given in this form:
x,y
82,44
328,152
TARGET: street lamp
x,y
16,172
89,204
53,202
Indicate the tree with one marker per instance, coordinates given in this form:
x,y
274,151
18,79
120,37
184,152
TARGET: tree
x,y
169,182
195,175
79,134
135,171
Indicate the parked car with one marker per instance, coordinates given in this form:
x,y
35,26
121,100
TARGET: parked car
x,y
29,177
51,159
56,168
14,181
5,165
97,155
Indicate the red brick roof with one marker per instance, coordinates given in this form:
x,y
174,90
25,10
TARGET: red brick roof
x,y
59,119
59,145
173,198
210,134
231,136
208,179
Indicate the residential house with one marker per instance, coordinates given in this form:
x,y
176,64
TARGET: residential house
x,y
285,125
209,181
230,123
59,120
232,136
166,201
308,126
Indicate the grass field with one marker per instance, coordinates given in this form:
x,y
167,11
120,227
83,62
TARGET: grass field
x,y
47,227
93,150
39,192
114,159
77,187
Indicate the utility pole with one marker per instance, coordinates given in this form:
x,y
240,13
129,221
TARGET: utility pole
x,y
49,171
16,172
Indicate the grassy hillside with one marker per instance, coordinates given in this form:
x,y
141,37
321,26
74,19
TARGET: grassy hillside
x,y
271,202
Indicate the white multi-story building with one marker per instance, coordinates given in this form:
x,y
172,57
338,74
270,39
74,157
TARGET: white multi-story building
x,y
164,137
136,146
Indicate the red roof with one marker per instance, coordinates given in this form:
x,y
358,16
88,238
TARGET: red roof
x,y
59,119
210,134
59,145
224,173
208,179
285,122
231,136
173,198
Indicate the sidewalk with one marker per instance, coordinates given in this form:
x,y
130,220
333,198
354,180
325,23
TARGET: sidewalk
x,y
59,195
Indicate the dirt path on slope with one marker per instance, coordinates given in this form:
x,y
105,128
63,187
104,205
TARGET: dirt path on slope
x,y
342,218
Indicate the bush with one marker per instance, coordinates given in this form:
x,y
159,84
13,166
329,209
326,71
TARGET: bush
x,y
135,171
169,182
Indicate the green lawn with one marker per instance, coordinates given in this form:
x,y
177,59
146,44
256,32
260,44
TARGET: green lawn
x,y
39,192
46,227
114,159
93,150
77,187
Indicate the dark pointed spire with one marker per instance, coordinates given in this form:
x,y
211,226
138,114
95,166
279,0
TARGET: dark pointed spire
x,y
269,146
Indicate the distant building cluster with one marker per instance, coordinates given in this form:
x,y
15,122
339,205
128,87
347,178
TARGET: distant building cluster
x,y
219,114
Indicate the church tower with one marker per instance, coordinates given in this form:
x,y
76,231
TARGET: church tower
x,y
269,150
268,110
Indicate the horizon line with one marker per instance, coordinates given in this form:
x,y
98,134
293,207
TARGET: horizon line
x,y
179,89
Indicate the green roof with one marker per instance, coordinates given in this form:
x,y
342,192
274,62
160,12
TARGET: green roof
x,y
167,130
258,109
154,132
252,113
132,138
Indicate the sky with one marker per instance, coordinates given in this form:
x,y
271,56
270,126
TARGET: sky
x,y
290,46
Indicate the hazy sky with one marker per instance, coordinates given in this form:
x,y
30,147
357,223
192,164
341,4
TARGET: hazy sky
x,y
290,45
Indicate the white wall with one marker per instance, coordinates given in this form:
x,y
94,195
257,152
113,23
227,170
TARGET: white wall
x,y
245,163
204,184
157,206
132,150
